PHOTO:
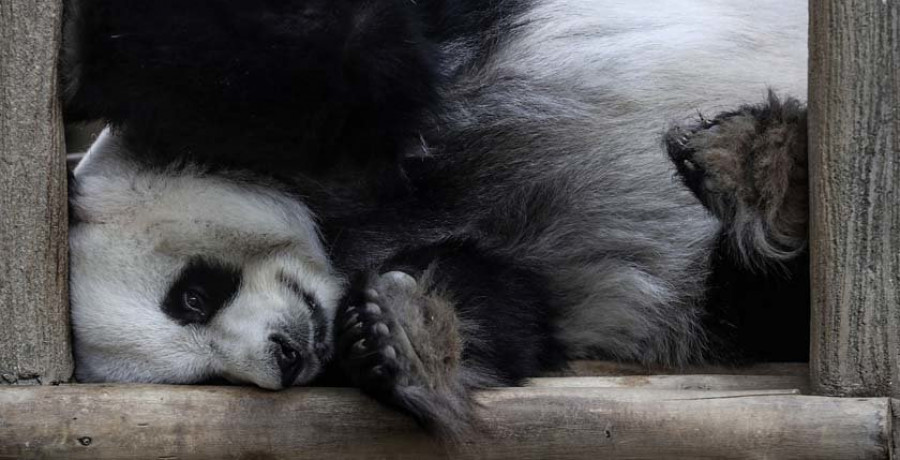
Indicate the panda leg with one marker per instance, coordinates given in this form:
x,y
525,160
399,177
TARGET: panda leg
x,y
456,318
749,168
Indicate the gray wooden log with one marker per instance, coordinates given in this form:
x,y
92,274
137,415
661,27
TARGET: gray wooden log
x,y
163,422
854,115
34,317
586,368
681,382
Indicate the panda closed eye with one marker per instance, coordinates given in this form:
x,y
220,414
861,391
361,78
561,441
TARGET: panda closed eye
x,y
200,291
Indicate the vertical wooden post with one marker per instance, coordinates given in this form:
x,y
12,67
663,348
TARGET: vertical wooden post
x,y
854,115
34,318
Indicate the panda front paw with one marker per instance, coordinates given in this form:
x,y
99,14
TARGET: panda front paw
x,y
400,344
369,339
749,168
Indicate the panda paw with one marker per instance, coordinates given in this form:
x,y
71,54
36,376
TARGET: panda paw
x,y
749,168
400,344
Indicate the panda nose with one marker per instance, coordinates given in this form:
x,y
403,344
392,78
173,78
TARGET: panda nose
x,y
289,358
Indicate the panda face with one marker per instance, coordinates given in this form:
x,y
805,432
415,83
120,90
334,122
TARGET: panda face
x,y
179,277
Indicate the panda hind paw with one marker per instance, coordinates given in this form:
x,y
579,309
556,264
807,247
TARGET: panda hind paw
x,y
748,167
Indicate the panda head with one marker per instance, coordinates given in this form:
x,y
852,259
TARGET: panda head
x,y
178,276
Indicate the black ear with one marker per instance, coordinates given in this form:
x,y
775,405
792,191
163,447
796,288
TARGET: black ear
x,y
325,80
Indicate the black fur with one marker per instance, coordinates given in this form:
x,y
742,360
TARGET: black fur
x,y
192,80
195,80
753,316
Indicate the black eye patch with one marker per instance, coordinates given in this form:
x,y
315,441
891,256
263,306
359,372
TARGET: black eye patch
x,y
303,294
200,291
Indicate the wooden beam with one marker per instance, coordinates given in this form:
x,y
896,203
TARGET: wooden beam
x,y
854,115
34,316
723,382
164,422
586,368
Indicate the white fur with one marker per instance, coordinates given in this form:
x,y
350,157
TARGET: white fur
x,y
665,58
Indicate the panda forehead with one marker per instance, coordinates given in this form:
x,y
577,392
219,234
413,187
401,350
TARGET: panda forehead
x,y
185,212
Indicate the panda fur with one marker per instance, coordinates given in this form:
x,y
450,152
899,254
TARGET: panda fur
x,y
423,198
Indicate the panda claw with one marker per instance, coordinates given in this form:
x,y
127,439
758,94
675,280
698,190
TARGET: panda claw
x,y
378,372
373,309
359,347
682,151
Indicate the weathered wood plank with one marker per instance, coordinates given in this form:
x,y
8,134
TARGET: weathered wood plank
x,y
585,368
681,382
34,316
854,114
99,422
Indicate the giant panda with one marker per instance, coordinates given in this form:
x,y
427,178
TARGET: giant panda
x,y
422,198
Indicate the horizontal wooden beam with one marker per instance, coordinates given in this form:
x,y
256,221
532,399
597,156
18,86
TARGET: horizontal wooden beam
x,y
721,382
611,368
166,422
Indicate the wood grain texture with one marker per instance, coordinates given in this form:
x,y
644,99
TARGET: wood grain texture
x,y
34,317
722,382
163,422
587,368
854,114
